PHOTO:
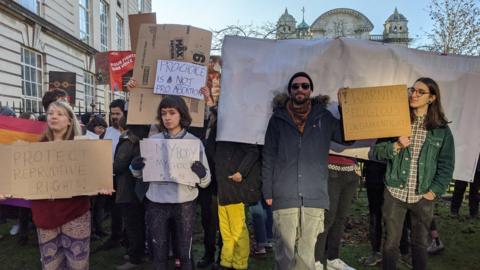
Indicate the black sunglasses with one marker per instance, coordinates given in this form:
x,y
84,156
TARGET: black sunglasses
x,y
296,86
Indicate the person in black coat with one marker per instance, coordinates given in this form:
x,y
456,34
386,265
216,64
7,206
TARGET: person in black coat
x,y
131,205
237,168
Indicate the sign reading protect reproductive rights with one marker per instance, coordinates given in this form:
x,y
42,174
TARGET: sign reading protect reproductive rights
x,y
179,79
52,170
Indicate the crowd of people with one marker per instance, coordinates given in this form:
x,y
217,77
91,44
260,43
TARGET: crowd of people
x,y
297,193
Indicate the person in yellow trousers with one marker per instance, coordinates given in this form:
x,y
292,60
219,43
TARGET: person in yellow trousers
x,y
238,179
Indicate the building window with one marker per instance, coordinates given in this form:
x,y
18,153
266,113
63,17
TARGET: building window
x,y
141,5
32,5
31,80
103,26
119,27
89,83
84,16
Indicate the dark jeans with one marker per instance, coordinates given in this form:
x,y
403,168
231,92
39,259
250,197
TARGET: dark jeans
x,y
24,217
473,196
394,212
209,215
374,182
116,226
134,219
341,190
158,216
98,213
262,219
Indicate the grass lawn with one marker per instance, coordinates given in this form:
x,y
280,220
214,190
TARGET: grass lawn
x,y
460,235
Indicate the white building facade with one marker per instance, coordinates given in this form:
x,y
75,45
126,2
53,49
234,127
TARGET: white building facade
x,y
344,22
38,36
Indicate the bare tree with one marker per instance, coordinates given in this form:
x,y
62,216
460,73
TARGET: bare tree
x,y
267,30
456,27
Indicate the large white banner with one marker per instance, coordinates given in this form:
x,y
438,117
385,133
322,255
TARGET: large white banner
x,y
170,160
254,70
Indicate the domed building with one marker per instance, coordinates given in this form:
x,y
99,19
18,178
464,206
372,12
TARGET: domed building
x,y
344,22
396,29
286,26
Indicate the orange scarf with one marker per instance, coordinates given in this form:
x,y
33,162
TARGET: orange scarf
x,y
299,114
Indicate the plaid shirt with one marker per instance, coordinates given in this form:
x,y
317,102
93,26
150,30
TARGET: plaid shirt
x,y
409,194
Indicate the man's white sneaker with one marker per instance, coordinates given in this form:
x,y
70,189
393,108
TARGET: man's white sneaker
x,y
319,266
338,264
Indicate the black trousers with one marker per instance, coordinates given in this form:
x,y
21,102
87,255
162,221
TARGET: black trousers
x,y
341,190
473,196
24,217
158,216
374,182
394,213
209,215
133,215
116,226
98,213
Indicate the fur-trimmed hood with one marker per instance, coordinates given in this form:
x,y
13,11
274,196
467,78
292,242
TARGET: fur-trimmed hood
x,y
280,100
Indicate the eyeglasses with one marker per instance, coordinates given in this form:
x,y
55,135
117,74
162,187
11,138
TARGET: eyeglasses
x,y
296,86
420,92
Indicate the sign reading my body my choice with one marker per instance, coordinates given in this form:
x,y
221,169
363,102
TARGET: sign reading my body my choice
x,y
170,160
179,79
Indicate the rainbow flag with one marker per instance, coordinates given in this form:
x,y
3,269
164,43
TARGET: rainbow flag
x,y
15,129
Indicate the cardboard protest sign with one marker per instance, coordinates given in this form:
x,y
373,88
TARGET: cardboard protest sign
x,y
134,22
15,129
51,170
179,79
376,112
66,81
143,105
168,42
170,160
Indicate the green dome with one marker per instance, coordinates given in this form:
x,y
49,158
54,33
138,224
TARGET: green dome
x,y
303,25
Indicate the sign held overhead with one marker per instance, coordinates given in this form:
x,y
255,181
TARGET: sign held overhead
x,y
179,79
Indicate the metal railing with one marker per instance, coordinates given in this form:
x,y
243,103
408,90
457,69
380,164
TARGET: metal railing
x,y
18,108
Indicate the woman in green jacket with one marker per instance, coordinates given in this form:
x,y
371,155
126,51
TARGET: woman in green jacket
x,y
419,169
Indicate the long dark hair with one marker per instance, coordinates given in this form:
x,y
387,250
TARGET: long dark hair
x,y
177,103
435,117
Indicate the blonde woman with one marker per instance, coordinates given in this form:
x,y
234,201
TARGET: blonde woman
x,y
63,225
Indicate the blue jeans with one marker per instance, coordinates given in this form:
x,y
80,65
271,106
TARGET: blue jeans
x,y
262,222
